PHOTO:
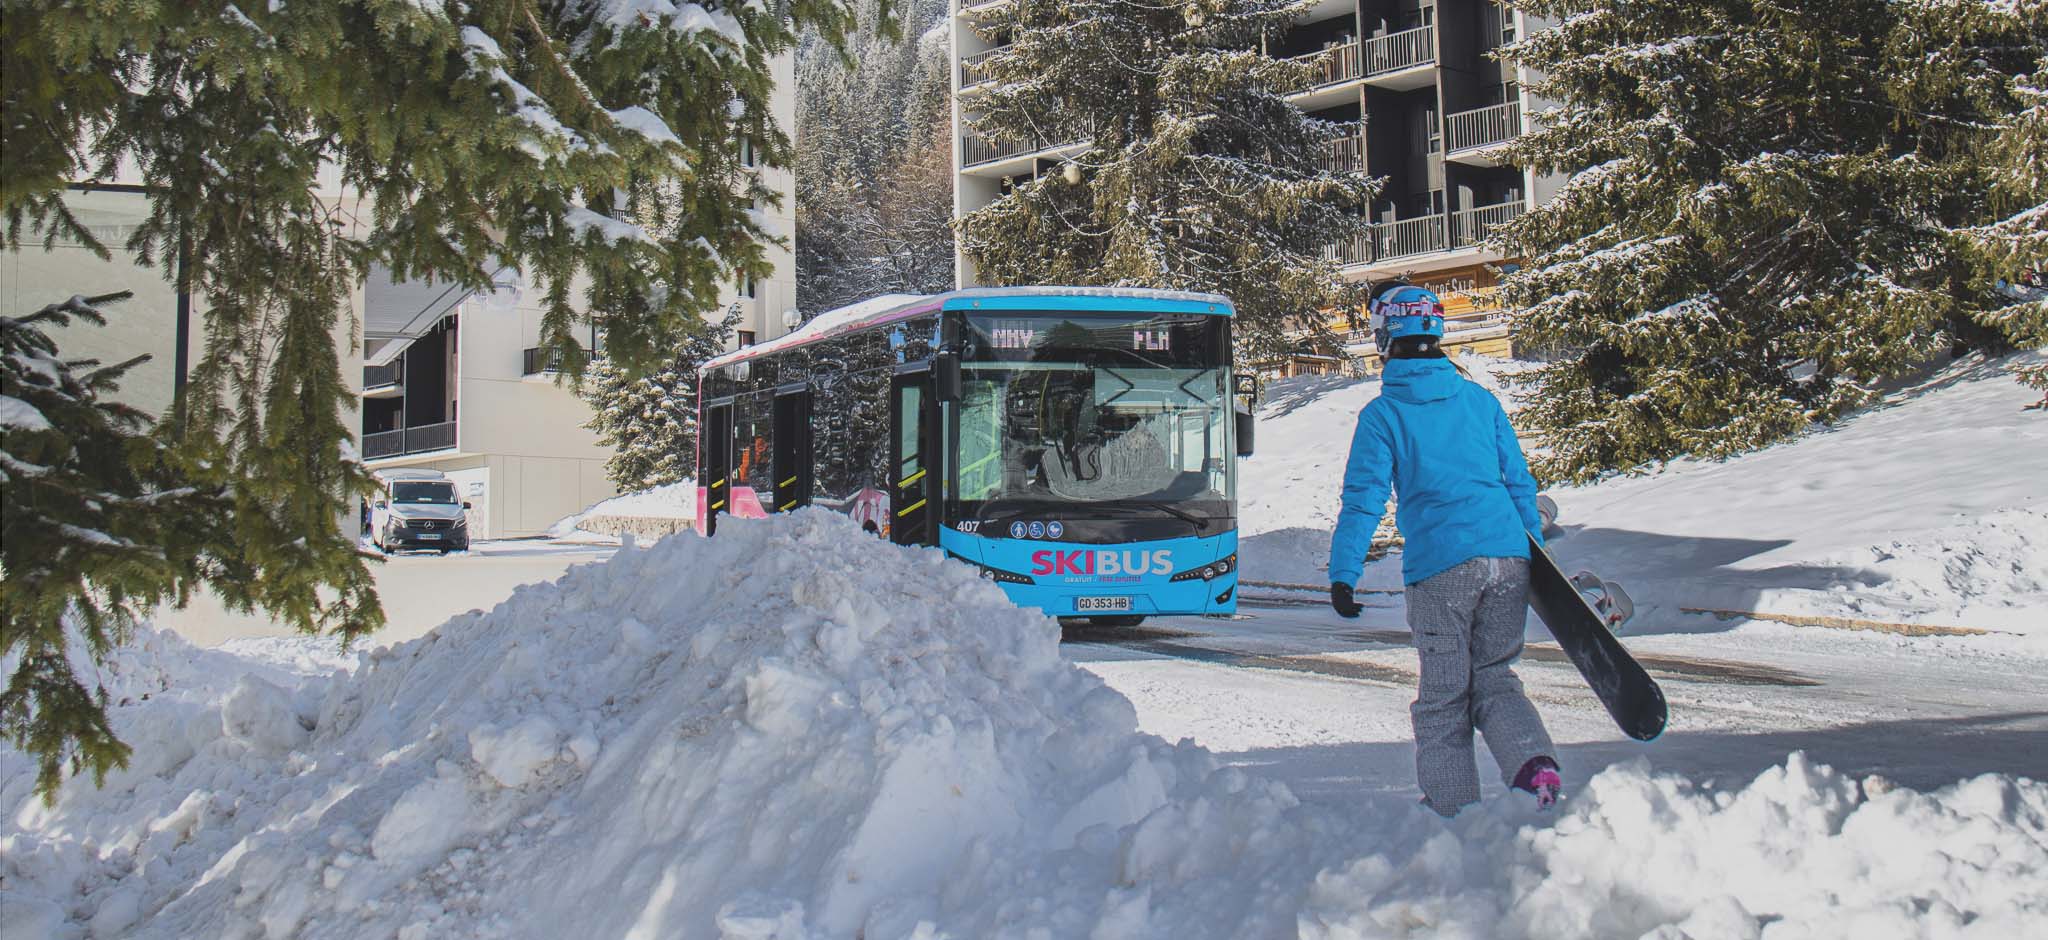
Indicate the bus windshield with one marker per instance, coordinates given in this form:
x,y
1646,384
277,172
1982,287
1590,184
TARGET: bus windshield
x,y
1091,410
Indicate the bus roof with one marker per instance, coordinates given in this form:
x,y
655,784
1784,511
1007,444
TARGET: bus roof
x,y
889,308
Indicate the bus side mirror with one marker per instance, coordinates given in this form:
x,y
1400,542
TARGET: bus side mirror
x,y
946,376
1244,433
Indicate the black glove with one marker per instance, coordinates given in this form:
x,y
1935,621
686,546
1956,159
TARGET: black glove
x,y
1340,600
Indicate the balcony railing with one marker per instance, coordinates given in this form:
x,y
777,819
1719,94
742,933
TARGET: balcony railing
x,y
413,440
1415,236
1334,63
1355,250
972,70
538,361
1345,154
975,150
1471,226
1483,127
1409,47
391,373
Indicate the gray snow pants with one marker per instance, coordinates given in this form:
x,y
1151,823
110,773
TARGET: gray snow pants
x,y
1467,624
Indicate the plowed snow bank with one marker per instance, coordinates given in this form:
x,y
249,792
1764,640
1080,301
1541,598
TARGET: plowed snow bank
x,y
794,731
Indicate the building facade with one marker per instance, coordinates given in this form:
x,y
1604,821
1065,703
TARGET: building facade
x,y
1430,112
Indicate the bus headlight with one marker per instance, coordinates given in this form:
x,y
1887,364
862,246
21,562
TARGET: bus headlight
x,y
1210,571
994,574
1004,577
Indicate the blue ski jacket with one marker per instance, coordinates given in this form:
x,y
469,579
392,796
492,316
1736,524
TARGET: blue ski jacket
x,y
1444,445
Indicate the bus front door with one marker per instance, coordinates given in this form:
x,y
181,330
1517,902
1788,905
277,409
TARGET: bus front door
x,y
715,475
913,447
792,459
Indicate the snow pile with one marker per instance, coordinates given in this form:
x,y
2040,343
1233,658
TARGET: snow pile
x,y
1926,508
792,732
1991,573
1801,852
671,501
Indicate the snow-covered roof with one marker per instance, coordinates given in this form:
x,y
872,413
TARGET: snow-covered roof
x,y
868,312
889,308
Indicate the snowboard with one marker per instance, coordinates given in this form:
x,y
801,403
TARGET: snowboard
x,y
1632,698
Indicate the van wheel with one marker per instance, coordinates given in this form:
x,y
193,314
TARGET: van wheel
x,y
1128,620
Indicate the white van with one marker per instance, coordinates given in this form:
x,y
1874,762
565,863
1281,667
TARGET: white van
x,y
418,509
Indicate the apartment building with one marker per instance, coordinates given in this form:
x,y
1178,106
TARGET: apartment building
x,y
157,320
452,380
1430,113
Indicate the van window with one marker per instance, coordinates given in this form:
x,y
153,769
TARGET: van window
x,y
423,492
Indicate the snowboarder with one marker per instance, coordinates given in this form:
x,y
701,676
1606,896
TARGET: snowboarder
x,y
1467,507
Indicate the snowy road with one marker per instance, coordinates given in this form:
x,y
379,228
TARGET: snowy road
x,y
419,591
1322,703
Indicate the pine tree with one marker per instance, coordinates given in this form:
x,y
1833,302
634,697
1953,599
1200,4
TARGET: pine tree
x,y
650,421
592,142
1762,221
1199,174
2013,247
875,165
100,525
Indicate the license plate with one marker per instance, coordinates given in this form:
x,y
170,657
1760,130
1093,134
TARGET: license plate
x,y
1092,604
430,536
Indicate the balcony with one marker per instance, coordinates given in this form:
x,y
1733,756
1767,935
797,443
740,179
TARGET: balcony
x,y
538,361
1356,250
385,381
1470,227
1475,137
413,440
1335,63
1399,61
1345,155
1416,236
975,151
1399,239
978,151
973,69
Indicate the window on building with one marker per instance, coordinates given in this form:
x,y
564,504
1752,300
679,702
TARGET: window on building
x,y
747,156
746,288
746,338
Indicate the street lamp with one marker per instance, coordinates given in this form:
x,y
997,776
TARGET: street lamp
x,y
792,318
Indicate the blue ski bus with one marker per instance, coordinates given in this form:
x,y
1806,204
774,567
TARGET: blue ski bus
x,y
1077,445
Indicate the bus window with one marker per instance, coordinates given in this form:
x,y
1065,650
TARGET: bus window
x,y
1066,410
981,441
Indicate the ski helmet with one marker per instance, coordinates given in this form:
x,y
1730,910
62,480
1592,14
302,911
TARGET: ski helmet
x,y
1405,311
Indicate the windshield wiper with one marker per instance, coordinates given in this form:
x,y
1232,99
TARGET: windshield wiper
x,y
1201,525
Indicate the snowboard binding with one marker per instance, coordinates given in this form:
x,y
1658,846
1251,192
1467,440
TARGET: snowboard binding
x,y
1608,598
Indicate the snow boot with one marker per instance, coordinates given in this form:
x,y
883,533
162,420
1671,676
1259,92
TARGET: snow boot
x,y
1539,776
